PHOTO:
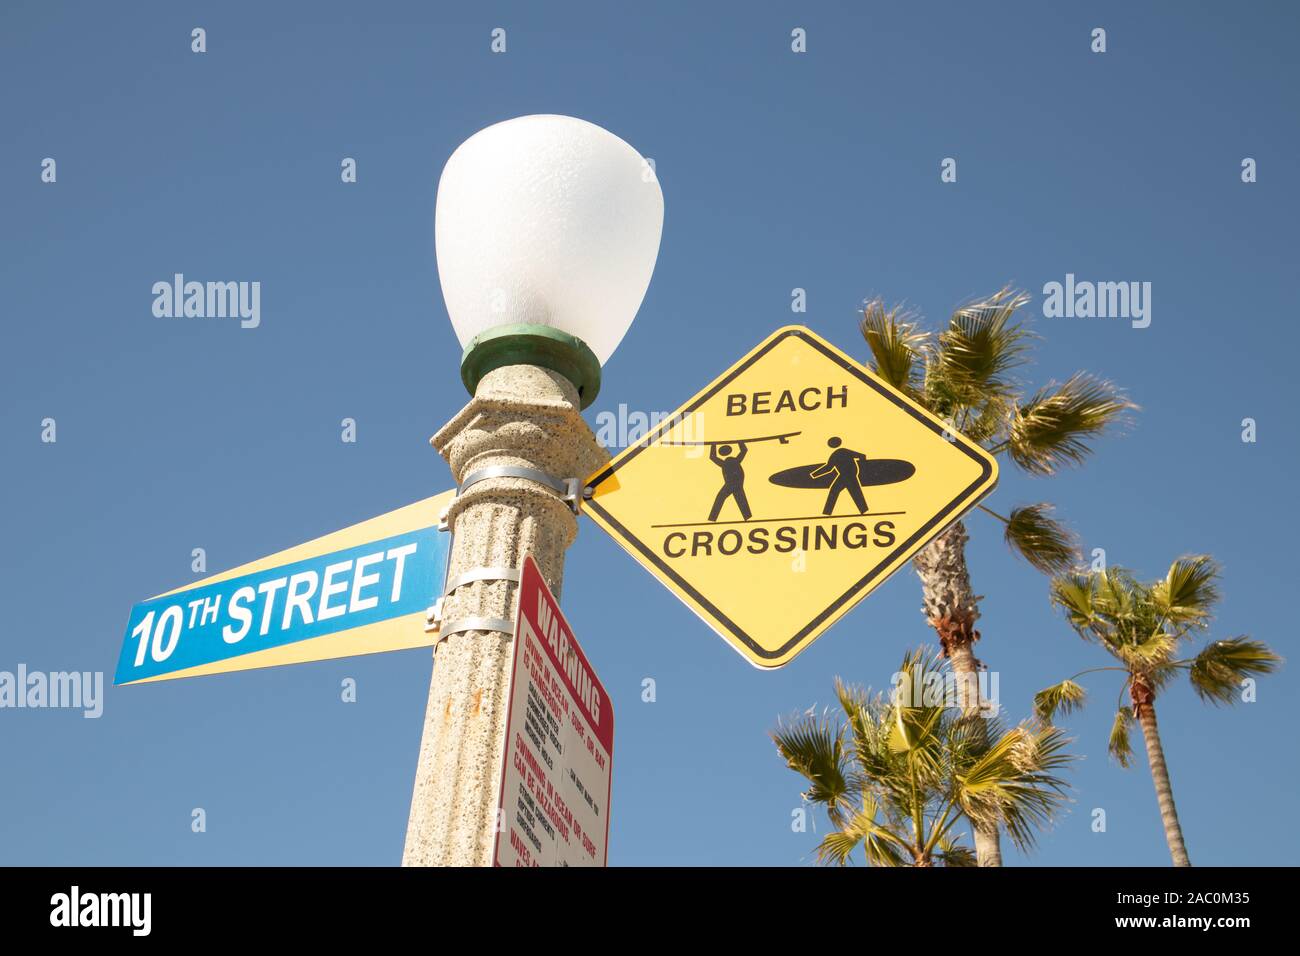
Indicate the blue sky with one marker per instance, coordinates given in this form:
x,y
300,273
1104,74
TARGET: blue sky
x,y
818,171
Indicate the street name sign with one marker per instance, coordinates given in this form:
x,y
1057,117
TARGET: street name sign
x,y
556,781
360,590
786,491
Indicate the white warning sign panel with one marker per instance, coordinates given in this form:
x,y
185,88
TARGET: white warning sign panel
x,y
556,782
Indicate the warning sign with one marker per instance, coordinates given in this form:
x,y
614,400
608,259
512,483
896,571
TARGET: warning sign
x,y
556,783
782,494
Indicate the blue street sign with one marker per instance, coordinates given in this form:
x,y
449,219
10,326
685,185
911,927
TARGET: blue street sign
x,y
335,597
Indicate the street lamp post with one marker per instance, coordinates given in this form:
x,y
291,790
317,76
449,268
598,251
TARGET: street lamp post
x,y
547,229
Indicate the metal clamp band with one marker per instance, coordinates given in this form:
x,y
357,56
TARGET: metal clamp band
x,y
569,489
433,617
481,574
476,624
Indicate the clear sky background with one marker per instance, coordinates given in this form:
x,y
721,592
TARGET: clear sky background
x,y
779,170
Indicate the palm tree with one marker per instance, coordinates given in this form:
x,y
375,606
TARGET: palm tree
x,y
965,375
1143,627
896,776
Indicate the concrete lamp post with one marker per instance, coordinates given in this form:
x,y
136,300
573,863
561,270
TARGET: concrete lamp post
x,y
547,229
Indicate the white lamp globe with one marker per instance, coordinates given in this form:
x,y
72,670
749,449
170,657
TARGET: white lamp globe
x,y
550,223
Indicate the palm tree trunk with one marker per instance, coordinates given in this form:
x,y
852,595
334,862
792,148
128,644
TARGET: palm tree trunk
x,y
951,607
1146,715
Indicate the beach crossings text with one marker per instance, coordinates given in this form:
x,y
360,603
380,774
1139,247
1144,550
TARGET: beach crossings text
x,y
783,539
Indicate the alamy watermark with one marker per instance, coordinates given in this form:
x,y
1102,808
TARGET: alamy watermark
x,y
1098,300
948,689
77,690
179,299
622,428
128,910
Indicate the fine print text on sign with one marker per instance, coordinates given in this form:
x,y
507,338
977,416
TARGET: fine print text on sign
x,y
556,782
357,591
786,491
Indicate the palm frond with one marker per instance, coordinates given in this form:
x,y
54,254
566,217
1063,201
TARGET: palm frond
x,y
990,420
852,698
881,845
993,767
1041,540
1118,592
1119,745
898,347
813,747
1063,698
952,853
1218,670
979,349
1146,652
1042,749
837,846
1035,797
1189,591
1075,594
917,733
1054,427
1110,607
1014,783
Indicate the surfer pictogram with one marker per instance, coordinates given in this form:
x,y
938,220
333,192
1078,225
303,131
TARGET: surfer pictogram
x,y
733,478
845,470
733,475
845,467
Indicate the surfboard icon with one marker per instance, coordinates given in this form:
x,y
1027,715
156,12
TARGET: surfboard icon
x,y
783,438
876,471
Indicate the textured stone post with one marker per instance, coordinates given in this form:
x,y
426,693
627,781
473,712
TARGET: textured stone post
x,y
521,415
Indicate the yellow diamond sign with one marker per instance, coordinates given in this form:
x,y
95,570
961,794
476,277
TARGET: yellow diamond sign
x,y
786,491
